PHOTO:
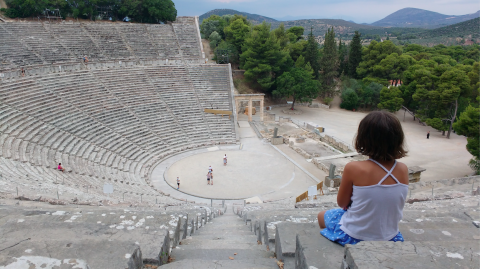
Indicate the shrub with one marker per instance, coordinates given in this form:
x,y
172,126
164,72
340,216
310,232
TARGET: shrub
x,y
349,99
11,13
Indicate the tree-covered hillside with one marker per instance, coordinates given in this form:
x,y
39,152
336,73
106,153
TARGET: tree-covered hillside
x,y
415,17
254,18
463,29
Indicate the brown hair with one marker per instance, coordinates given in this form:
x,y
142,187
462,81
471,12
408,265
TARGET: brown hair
x,y
380,136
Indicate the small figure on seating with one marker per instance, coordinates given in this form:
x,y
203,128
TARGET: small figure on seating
x,y
85,59
22,72
225,160
178,183
372,193
60,168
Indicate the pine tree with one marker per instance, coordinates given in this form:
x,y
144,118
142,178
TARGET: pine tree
x,y
342,57
262,57
355,55
312,54
329,64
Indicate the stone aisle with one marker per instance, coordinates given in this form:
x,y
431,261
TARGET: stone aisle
x,y
225,242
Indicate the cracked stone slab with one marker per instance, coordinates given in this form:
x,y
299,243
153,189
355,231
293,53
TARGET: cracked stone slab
x,y
405,255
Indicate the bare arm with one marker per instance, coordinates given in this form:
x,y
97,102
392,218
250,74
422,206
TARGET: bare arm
x,y
346,187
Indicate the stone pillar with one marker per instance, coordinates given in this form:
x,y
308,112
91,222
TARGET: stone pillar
x,y
261,110
250,107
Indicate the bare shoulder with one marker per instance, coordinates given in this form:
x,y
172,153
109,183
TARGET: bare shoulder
x,y
402,170
357,167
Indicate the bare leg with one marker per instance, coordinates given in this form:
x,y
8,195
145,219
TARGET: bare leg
x,y
321,219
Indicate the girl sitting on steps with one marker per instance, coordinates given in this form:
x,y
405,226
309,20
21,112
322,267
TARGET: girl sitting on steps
x,y
372,193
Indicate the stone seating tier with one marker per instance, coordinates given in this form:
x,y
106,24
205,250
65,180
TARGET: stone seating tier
x,y
437,234
105,126
117,234
35,43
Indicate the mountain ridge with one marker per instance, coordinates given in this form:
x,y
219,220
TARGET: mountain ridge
x,y
415,17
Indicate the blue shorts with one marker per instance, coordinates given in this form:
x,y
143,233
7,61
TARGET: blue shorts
x,y
335,234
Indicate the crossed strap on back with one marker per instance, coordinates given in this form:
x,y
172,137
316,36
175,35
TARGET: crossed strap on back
x,y
389,172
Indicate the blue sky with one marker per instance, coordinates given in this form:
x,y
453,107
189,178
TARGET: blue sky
x,y
359,11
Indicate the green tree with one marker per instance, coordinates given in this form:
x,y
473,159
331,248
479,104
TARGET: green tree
x,y
312,54
155,11
437,91
215,39
392,67
468,124
233,55
281,35
354,55
349,99
342,58
329,64
297,49
236,32
262,57
373,55
130,8
390,99
25,8
214,23
295,33
370,95
298,83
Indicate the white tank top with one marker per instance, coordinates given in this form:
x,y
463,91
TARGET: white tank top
x,y
376,210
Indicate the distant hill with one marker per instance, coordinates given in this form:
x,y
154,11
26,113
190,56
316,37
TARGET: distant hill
x,y
415,17
342,28
320,26
463,29
254,18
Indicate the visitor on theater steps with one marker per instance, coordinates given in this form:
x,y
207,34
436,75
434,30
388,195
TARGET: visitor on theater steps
x,y
372,193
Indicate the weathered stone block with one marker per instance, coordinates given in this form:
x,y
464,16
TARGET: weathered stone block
x,y
333,182
300,140
277,141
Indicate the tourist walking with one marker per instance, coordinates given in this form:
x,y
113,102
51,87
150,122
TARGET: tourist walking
x,y
428,135
372,193
178,183
209,176
225,160
22,71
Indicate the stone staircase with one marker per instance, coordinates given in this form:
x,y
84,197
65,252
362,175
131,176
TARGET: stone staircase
x,y
226,242
438,234
94,237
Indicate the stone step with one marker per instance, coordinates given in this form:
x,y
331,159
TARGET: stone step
x,y
250,244
230,264
426,255
285,237
219,254
218,232
314,250
72,253
150,240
